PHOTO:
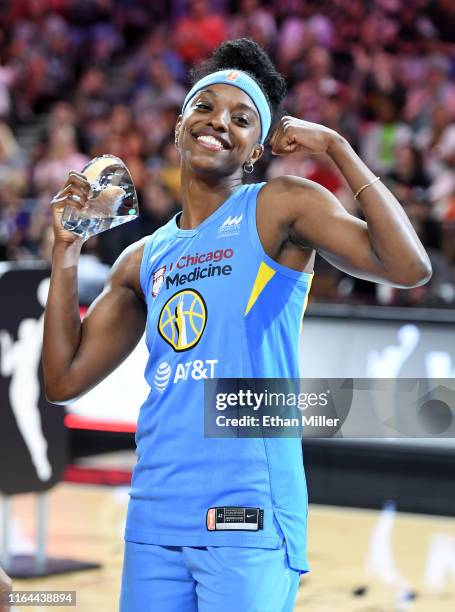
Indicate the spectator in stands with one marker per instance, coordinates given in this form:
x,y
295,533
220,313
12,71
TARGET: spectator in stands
x,y
61,156
156,45
256,22
111,76
408,177
92,95
293,38
156,127
198,33
13,184
442,190
93,31
160,91
429,138
434,86
6,81
169,174
383,136
13,162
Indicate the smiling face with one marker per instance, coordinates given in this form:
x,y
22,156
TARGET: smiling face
x,y
219,131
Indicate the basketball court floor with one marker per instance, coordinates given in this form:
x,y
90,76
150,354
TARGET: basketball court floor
x,y
86,522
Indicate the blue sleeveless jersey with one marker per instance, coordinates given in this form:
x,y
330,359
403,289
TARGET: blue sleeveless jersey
x,y
218,306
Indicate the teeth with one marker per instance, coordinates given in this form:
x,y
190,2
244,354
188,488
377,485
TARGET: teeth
x,y
210,140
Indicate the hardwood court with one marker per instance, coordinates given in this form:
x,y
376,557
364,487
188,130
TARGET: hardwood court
x,y
86,522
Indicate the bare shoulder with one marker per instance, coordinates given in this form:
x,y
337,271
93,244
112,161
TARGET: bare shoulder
x,y
290,196
288,187
126,270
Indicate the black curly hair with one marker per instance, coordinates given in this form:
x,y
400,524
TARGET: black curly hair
x,y
246,55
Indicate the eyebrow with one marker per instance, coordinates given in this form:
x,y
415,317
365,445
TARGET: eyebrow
x,y
240,105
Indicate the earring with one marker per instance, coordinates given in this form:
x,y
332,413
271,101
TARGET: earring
x,y
176,140
248,167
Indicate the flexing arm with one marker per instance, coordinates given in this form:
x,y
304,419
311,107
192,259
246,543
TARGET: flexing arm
x,y
384,248
77,356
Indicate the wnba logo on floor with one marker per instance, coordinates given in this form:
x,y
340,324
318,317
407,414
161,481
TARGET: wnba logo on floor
x,y
182,319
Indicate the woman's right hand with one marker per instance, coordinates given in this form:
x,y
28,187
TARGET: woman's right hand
x,y
75,192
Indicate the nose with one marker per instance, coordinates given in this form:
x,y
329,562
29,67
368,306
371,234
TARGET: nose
x,y
219,119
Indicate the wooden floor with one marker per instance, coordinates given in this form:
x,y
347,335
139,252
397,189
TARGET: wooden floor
x,y
86,522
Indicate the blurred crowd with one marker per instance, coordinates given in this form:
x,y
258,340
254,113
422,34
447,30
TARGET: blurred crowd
x,y
80,78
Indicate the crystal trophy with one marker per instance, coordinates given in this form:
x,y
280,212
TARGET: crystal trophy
x,y
112,200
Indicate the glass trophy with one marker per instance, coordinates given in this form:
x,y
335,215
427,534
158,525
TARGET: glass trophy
x,y
112,200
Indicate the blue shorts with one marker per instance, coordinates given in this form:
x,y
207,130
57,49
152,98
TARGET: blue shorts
x,y
206,579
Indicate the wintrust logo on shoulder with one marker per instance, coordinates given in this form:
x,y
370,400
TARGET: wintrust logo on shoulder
x,y
230,226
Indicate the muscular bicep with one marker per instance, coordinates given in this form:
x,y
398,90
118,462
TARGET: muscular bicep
x,y
111,329
319,220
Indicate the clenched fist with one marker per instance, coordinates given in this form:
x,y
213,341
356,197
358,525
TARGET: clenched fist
x,y
293,135
75,192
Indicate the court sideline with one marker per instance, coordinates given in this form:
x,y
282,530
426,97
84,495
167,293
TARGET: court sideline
x,y
86,522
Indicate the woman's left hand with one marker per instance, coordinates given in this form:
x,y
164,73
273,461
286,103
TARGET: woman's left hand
x,y
292,135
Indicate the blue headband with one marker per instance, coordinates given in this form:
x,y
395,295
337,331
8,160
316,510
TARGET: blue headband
x,y
243,82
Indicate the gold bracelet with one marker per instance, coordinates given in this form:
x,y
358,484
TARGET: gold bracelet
x,y
377,178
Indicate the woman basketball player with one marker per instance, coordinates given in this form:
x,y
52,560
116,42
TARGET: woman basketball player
x,y
220,524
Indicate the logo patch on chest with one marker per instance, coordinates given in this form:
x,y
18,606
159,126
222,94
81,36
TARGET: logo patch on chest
x,y
158,280
197,369
230,226
182,319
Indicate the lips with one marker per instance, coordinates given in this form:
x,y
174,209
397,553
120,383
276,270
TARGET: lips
x,y
211,140
211,146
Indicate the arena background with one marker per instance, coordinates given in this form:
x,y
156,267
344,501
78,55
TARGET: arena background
x,y
80,78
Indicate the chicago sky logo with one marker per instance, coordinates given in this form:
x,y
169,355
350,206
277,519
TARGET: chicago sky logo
x,y
230,226
182,319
